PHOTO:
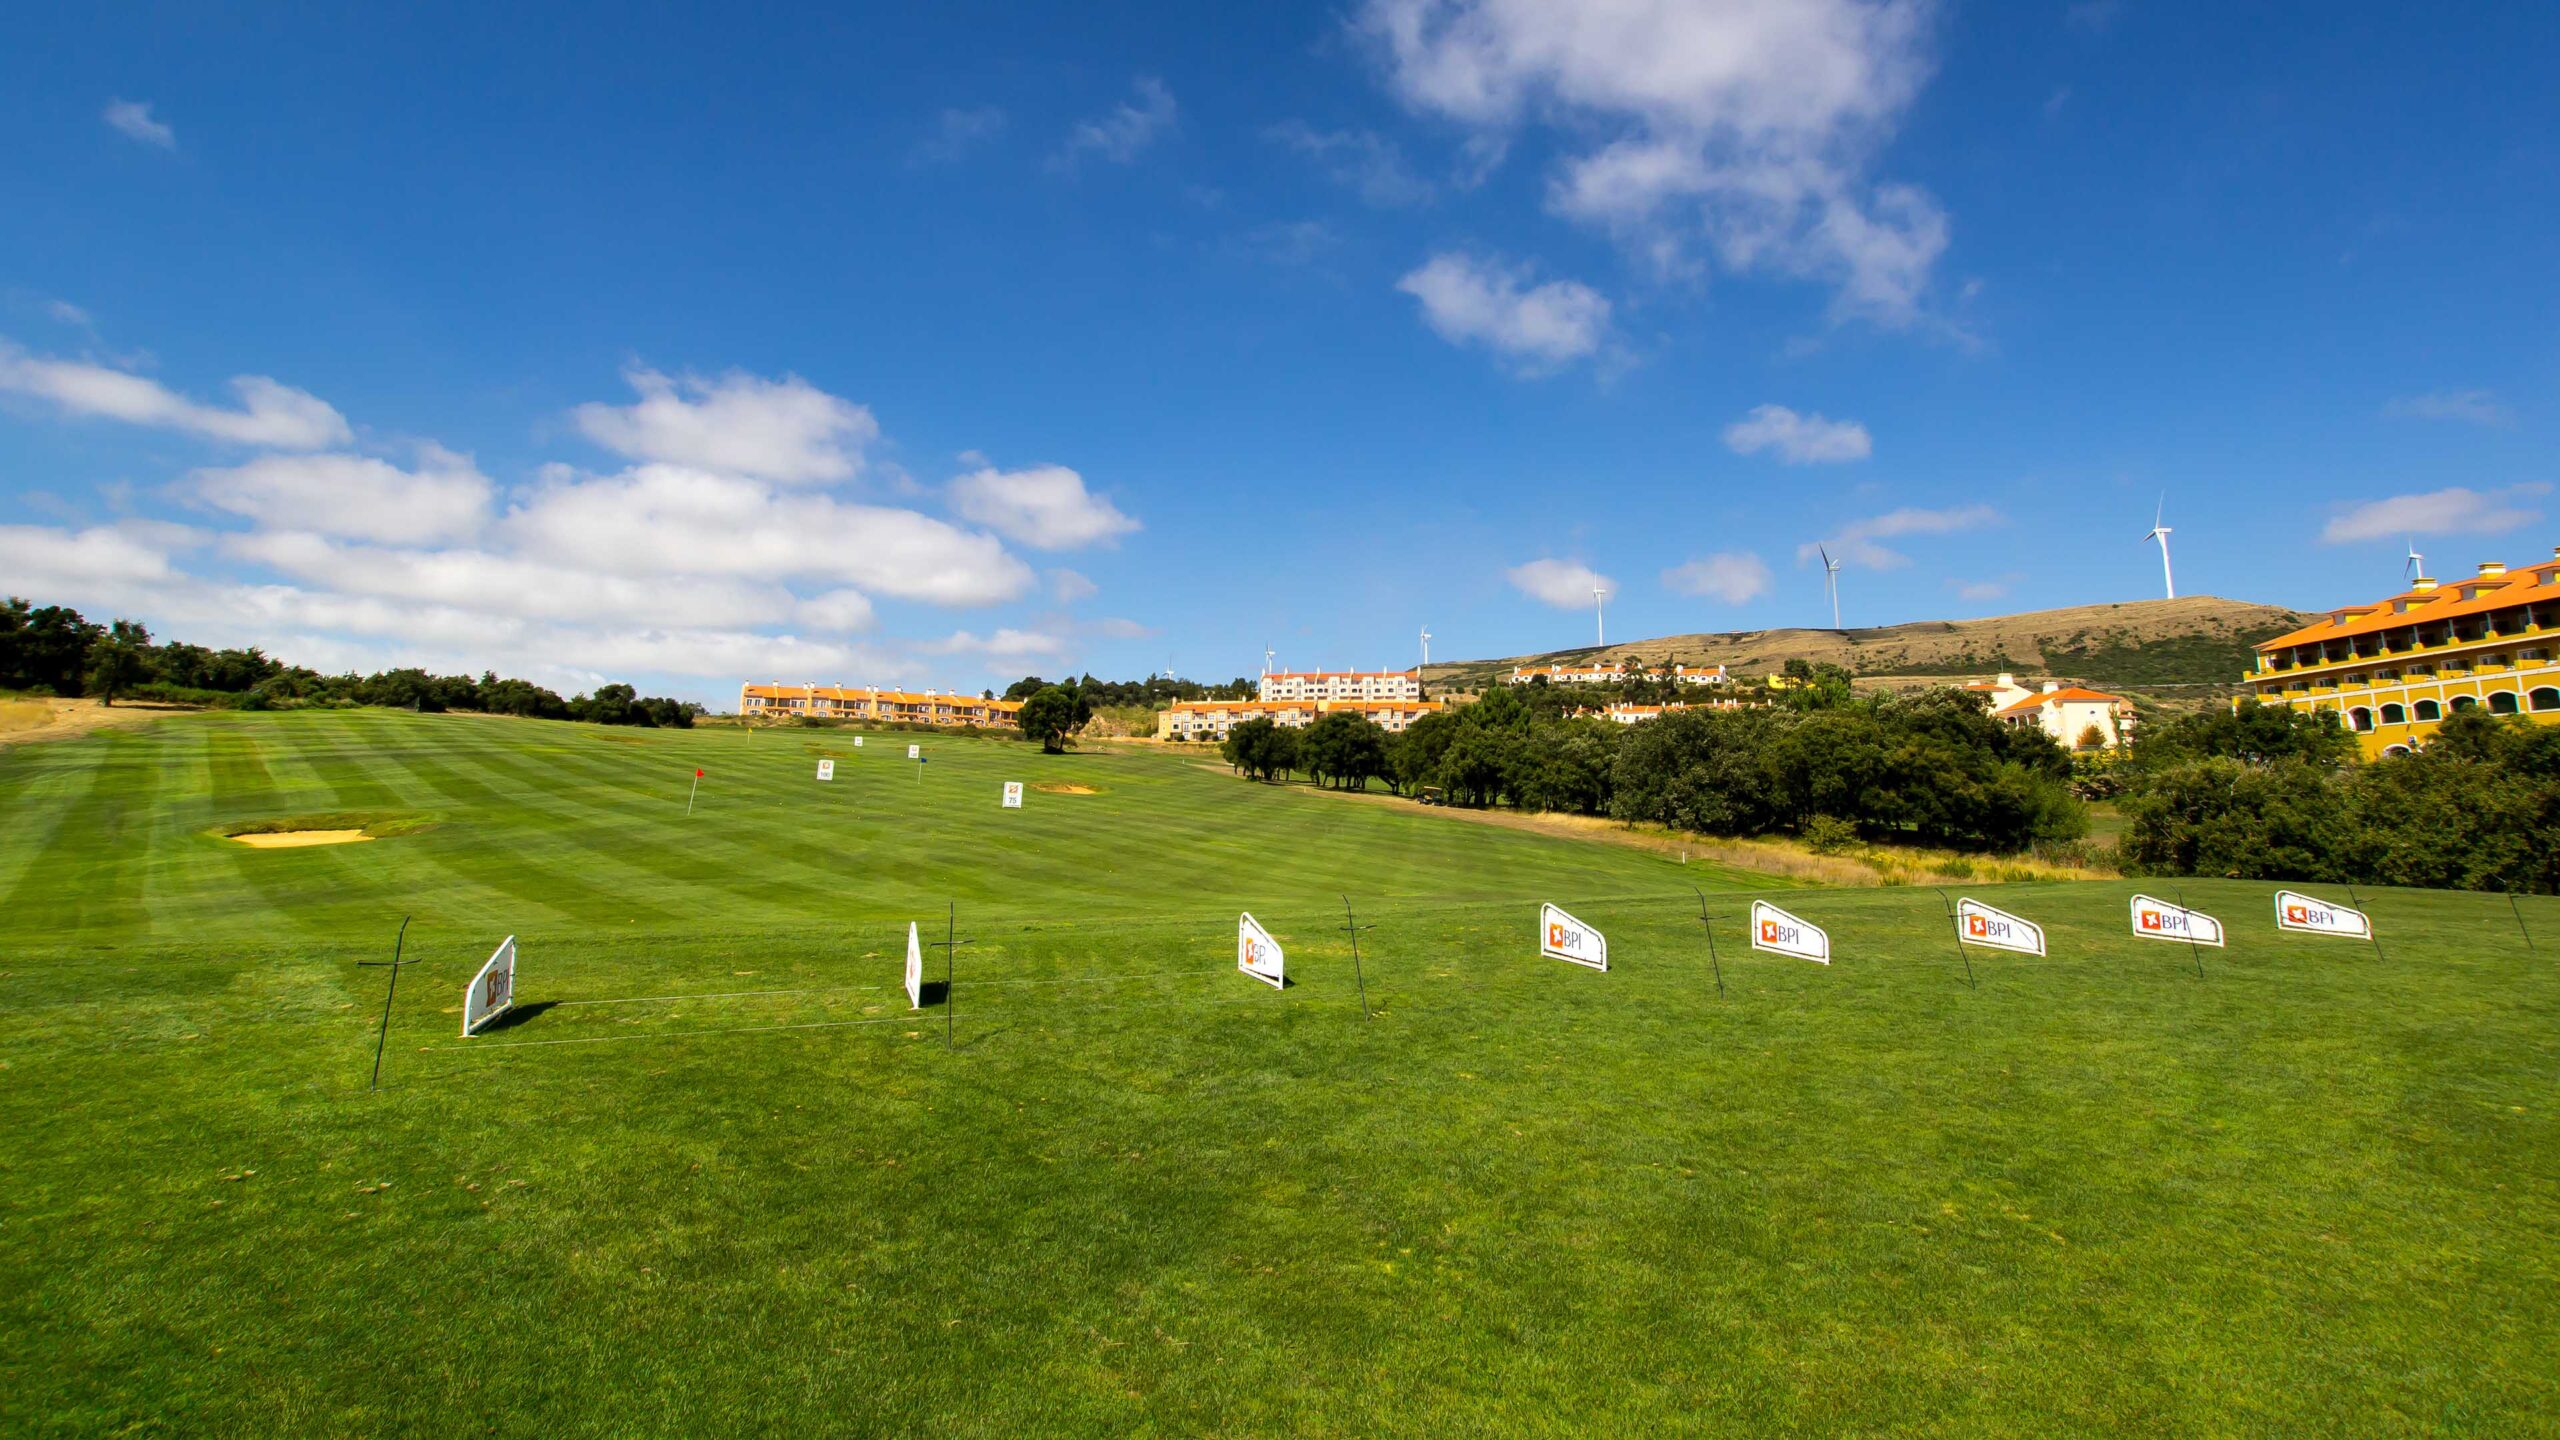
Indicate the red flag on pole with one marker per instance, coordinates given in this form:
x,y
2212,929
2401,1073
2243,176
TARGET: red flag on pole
x,y
697,774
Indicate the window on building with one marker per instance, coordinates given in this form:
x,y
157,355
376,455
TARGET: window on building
x,y
2465,702
2546,698
2502,702
2395,749
2395,715
2359,719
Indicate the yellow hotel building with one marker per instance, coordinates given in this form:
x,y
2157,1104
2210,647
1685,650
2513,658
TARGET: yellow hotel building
x,y
838,702
2394,669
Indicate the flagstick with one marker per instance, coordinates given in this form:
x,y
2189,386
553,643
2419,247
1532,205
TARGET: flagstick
x,y
1954,930
390,990
1351,923
2372,931
695,790
2518,911
2196,954
1703,919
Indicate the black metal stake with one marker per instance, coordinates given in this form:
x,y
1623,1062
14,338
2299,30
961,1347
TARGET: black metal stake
x,y
2190,919
1709,922
1958,936
2518,911
2372,931
1351,923
393,965
950,945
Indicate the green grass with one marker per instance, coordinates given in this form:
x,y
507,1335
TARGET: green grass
x,y
2313,1192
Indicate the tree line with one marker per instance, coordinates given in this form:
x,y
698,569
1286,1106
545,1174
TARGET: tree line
x,y
54,650
1932,767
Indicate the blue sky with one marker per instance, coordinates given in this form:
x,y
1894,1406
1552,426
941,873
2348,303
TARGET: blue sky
x,y
939,344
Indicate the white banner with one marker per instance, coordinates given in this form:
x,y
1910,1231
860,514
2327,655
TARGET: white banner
x,y
826,769
915,752
1562,937
1013,794
1258,955
915,969
1979,924
2160,920
1780,933
2296,911
493,991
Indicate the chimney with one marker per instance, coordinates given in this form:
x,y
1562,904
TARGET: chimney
x,y
2052,685
2007,681
2423,585
2489,569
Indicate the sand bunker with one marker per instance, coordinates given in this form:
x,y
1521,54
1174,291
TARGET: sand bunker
x,y
1055,787
295,839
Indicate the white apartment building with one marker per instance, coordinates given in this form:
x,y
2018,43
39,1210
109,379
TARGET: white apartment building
x,y
1613,674
2065,712
1212,719
1285,686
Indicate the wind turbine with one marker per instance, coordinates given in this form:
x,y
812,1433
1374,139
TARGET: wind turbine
x,y
1266,659
1426,649
1830,582
2416,566
1600,614
2160,533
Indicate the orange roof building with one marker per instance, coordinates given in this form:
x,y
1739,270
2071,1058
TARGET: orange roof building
x,y
2394,669
1212,719
839,702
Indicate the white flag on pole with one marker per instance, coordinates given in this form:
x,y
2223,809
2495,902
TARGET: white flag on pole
x,y
2160,920
2297,911
1013,794
1258,955
493,991
1562,937
915,969
826,769
1979,924
1780,933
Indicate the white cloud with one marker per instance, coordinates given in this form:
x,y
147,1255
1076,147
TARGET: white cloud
x,y
957,131
1359,160
1045,507
445,498
668,520
525,588
1748,128
40,560
787,431
2473,407
1539,328
132,119
1128,130
1560,583
1798,439
1731,576
1979,589
1855,544
2455,511
1069,586
1005,644
837,610
270,414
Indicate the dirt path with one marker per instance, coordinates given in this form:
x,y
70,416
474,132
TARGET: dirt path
x,y
22,721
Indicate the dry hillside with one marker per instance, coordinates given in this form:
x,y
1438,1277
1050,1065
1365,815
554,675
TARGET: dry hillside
x,y
2139,644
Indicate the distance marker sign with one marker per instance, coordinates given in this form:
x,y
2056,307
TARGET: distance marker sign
x,y
2160,920
915,752
1013,794
1258,955
1780,933
915,969
826,769
1979,924
1562,937
2296,911
493,991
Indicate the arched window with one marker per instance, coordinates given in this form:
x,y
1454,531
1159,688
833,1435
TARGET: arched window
x,y
2395,749
2465,702
2395,715
2359,719
2502,702
2430,710
2545,698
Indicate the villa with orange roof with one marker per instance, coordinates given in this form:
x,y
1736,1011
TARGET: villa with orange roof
x,y
2394,669
1285,685
1212,719
838,702
2078,718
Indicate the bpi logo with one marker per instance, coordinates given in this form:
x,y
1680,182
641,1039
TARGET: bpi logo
x,y
2297,914
1559,938
1771,931
495,990
2151,920
1979,925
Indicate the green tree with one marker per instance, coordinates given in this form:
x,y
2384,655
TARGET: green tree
x,y
119,661
1343,749
1261,749
1049,716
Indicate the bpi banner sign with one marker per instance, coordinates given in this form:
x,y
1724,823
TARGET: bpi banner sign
x,y
826,769
915,969
1780,933
1013,794
1562,937
2160,920
493,990
1979,924
1258,955
2296,911
915,752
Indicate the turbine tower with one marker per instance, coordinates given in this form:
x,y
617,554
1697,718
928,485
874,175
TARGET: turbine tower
x,y
1600,614
1426,651
1830,582
2160,533
1266,659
